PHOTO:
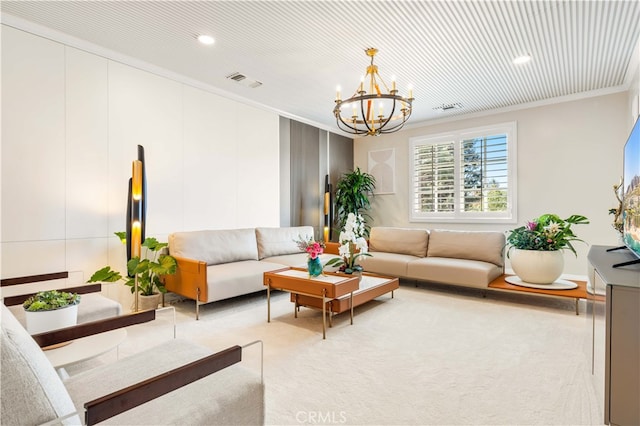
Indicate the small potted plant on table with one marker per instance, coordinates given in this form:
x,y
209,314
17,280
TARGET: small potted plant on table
x,y
51,310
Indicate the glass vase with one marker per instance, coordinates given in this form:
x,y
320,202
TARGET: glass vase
x,y
314,266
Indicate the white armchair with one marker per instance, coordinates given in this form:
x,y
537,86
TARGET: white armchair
x,y
172,383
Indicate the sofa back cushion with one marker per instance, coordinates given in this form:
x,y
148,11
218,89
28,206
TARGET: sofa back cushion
x,y
486,246
279,241
399,240
215,246
32,392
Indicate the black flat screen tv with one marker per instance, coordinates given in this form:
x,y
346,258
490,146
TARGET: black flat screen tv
x,y
631,196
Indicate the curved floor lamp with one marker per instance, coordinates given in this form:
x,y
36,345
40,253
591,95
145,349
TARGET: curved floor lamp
x,y
136,213
327,210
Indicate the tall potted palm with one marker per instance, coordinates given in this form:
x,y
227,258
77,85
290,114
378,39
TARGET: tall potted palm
x,y
352,195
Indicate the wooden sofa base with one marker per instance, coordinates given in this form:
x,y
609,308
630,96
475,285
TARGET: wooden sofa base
x,y
578,293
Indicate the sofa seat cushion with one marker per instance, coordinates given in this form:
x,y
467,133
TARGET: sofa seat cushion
x,y
233,395
215,246
298,260
394,264
232,279
470,273
32,392
399,240
486,246
278,241
92,307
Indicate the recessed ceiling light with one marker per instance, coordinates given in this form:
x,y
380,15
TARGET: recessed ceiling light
x,y
523,59
205,39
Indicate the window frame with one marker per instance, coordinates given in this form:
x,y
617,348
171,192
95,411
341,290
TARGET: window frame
x,y
457,137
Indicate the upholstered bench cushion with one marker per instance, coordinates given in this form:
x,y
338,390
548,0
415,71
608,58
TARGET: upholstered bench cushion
x,y
475,245
232,396
231,279
32,392
92,307
465,272
279,241
215,246
393,264
299,260
399,240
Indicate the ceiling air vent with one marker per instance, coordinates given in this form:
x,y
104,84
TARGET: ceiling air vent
x,y
448,107
244,80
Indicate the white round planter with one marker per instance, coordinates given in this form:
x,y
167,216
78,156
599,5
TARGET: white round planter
x,y
42,321
537,267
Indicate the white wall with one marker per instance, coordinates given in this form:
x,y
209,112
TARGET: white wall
x,y
634,85
71,124
569,157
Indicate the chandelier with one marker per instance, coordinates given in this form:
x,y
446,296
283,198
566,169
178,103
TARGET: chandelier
x,y
373,109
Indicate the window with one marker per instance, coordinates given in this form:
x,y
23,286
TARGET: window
x,y
465,176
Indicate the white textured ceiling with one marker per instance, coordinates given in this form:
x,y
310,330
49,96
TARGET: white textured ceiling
x,y
449,51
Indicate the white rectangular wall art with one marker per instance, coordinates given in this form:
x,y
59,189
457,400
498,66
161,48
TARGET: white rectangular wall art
x,y
382,166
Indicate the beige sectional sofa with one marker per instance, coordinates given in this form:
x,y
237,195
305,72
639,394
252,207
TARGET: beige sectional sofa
x,y
465,258
219,264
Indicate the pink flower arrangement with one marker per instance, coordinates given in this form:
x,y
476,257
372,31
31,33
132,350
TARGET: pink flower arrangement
x,y
313,248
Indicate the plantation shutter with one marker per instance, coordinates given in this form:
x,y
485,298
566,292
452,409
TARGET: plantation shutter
x,y
434,178
484,174
466,176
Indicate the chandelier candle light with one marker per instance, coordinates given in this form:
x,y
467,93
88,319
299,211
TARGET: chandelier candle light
x,y
364,112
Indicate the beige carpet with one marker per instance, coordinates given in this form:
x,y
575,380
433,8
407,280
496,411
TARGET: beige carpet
x,y
430,356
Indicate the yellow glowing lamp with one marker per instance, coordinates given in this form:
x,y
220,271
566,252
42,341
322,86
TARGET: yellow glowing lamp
x,y
326,203
136,180
136,237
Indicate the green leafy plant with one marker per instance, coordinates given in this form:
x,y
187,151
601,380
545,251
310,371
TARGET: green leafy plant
x,y
50,300
547,233
147,270
351,194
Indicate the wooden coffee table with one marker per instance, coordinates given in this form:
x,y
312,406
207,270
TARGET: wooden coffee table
x,y
325,287
577,293
371,286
